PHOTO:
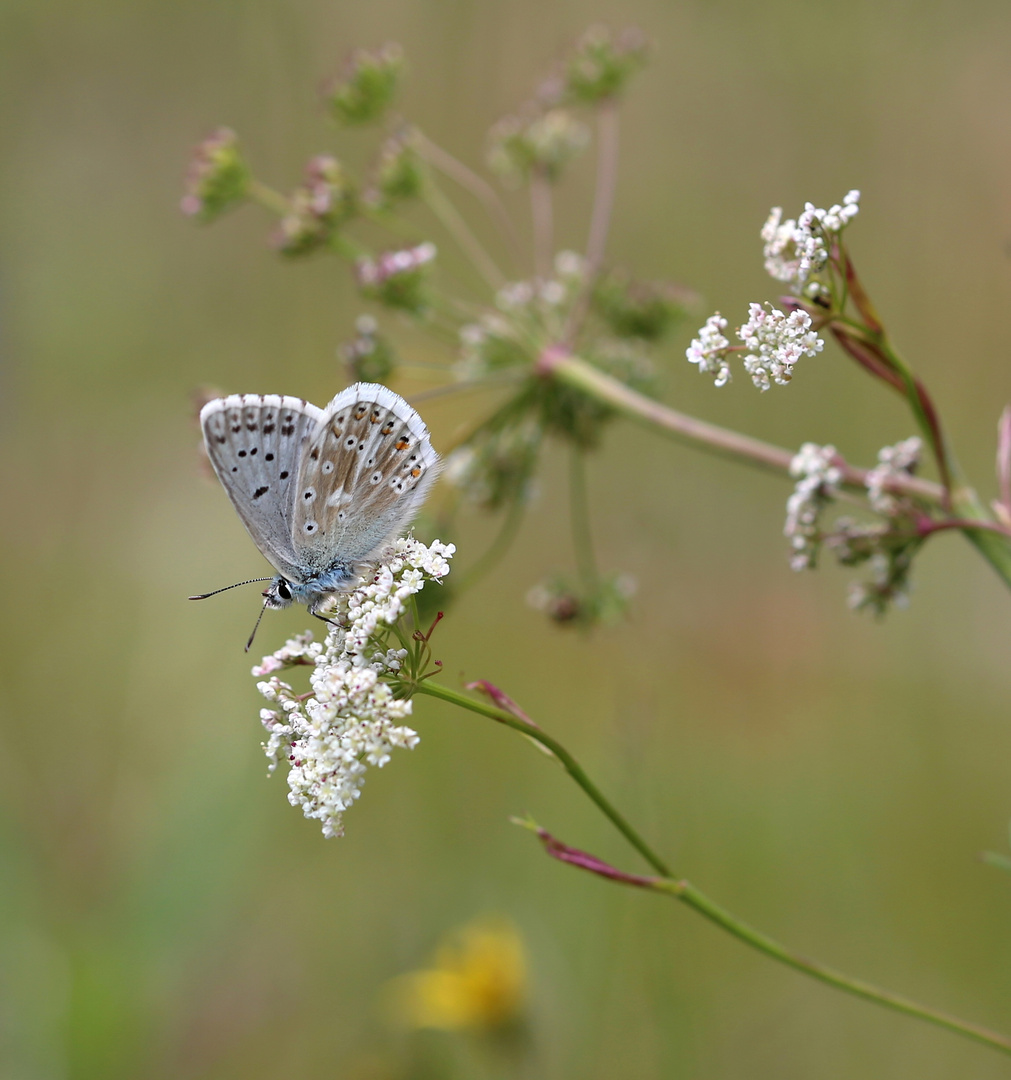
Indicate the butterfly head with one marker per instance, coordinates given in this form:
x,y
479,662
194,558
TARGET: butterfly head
x,y
278,594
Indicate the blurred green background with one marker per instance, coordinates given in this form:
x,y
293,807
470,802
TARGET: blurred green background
x,y
163,911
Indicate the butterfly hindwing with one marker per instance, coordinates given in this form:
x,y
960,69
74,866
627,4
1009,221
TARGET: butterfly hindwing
x,y
255,444
365,473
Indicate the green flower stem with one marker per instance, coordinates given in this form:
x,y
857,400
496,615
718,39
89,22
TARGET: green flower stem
x,y
923,411
475,184
579,503
686,892
568,762
607,182
963,500
871,332
543,216
499,546
268,198
455,225
694,898
583,376
600,216
996,549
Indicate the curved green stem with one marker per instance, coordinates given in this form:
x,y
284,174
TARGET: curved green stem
x,y
582,535
268,198
697,900
461,232
543,215
568,762
709,909
499,546
455,169
701,903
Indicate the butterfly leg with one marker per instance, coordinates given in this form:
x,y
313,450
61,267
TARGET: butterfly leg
x,y
323,618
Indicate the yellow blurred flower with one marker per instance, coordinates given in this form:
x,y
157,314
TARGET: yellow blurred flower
x,y
477,981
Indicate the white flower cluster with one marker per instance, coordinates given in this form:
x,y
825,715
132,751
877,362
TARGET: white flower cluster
x,y
817,484
775,342
795,250
709,350
351,718
894,462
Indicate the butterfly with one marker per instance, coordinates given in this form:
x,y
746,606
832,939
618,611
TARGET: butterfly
x,y
320,491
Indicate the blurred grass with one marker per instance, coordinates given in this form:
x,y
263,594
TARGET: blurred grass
x,y
163,912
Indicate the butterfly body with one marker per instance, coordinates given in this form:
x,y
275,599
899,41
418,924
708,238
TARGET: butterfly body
x,y
320,491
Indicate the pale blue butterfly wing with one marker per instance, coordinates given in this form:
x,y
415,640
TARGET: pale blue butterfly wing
x,y
365,473
255,444
320,491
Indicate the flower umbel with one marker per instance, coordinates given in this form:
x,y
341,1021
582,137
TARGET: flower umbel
x,y
318,208
398,174
898,461
368,84
798,250
775,341
887,547
397,279
360,686
543,142
603,63
817,485
218,177
709,350
369,356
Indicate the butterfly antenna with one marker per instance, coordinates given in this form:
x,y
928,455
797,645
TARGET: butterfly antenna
x,y
258,618
251,581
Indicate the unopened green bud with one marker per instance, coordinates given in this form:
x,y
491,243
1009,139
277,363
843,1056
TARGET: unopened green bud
x,y
602,64
542,142
639,309
369,355
570,605
497,467
367,85
399,172
398,279
217,178
318,208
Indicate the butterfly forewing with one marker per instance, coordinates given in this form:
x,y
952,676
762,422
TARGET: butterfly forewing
x,y
364,476
256,444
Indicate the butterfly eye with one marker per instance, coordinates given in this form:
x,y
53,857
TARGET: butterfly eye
x,y
283,591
